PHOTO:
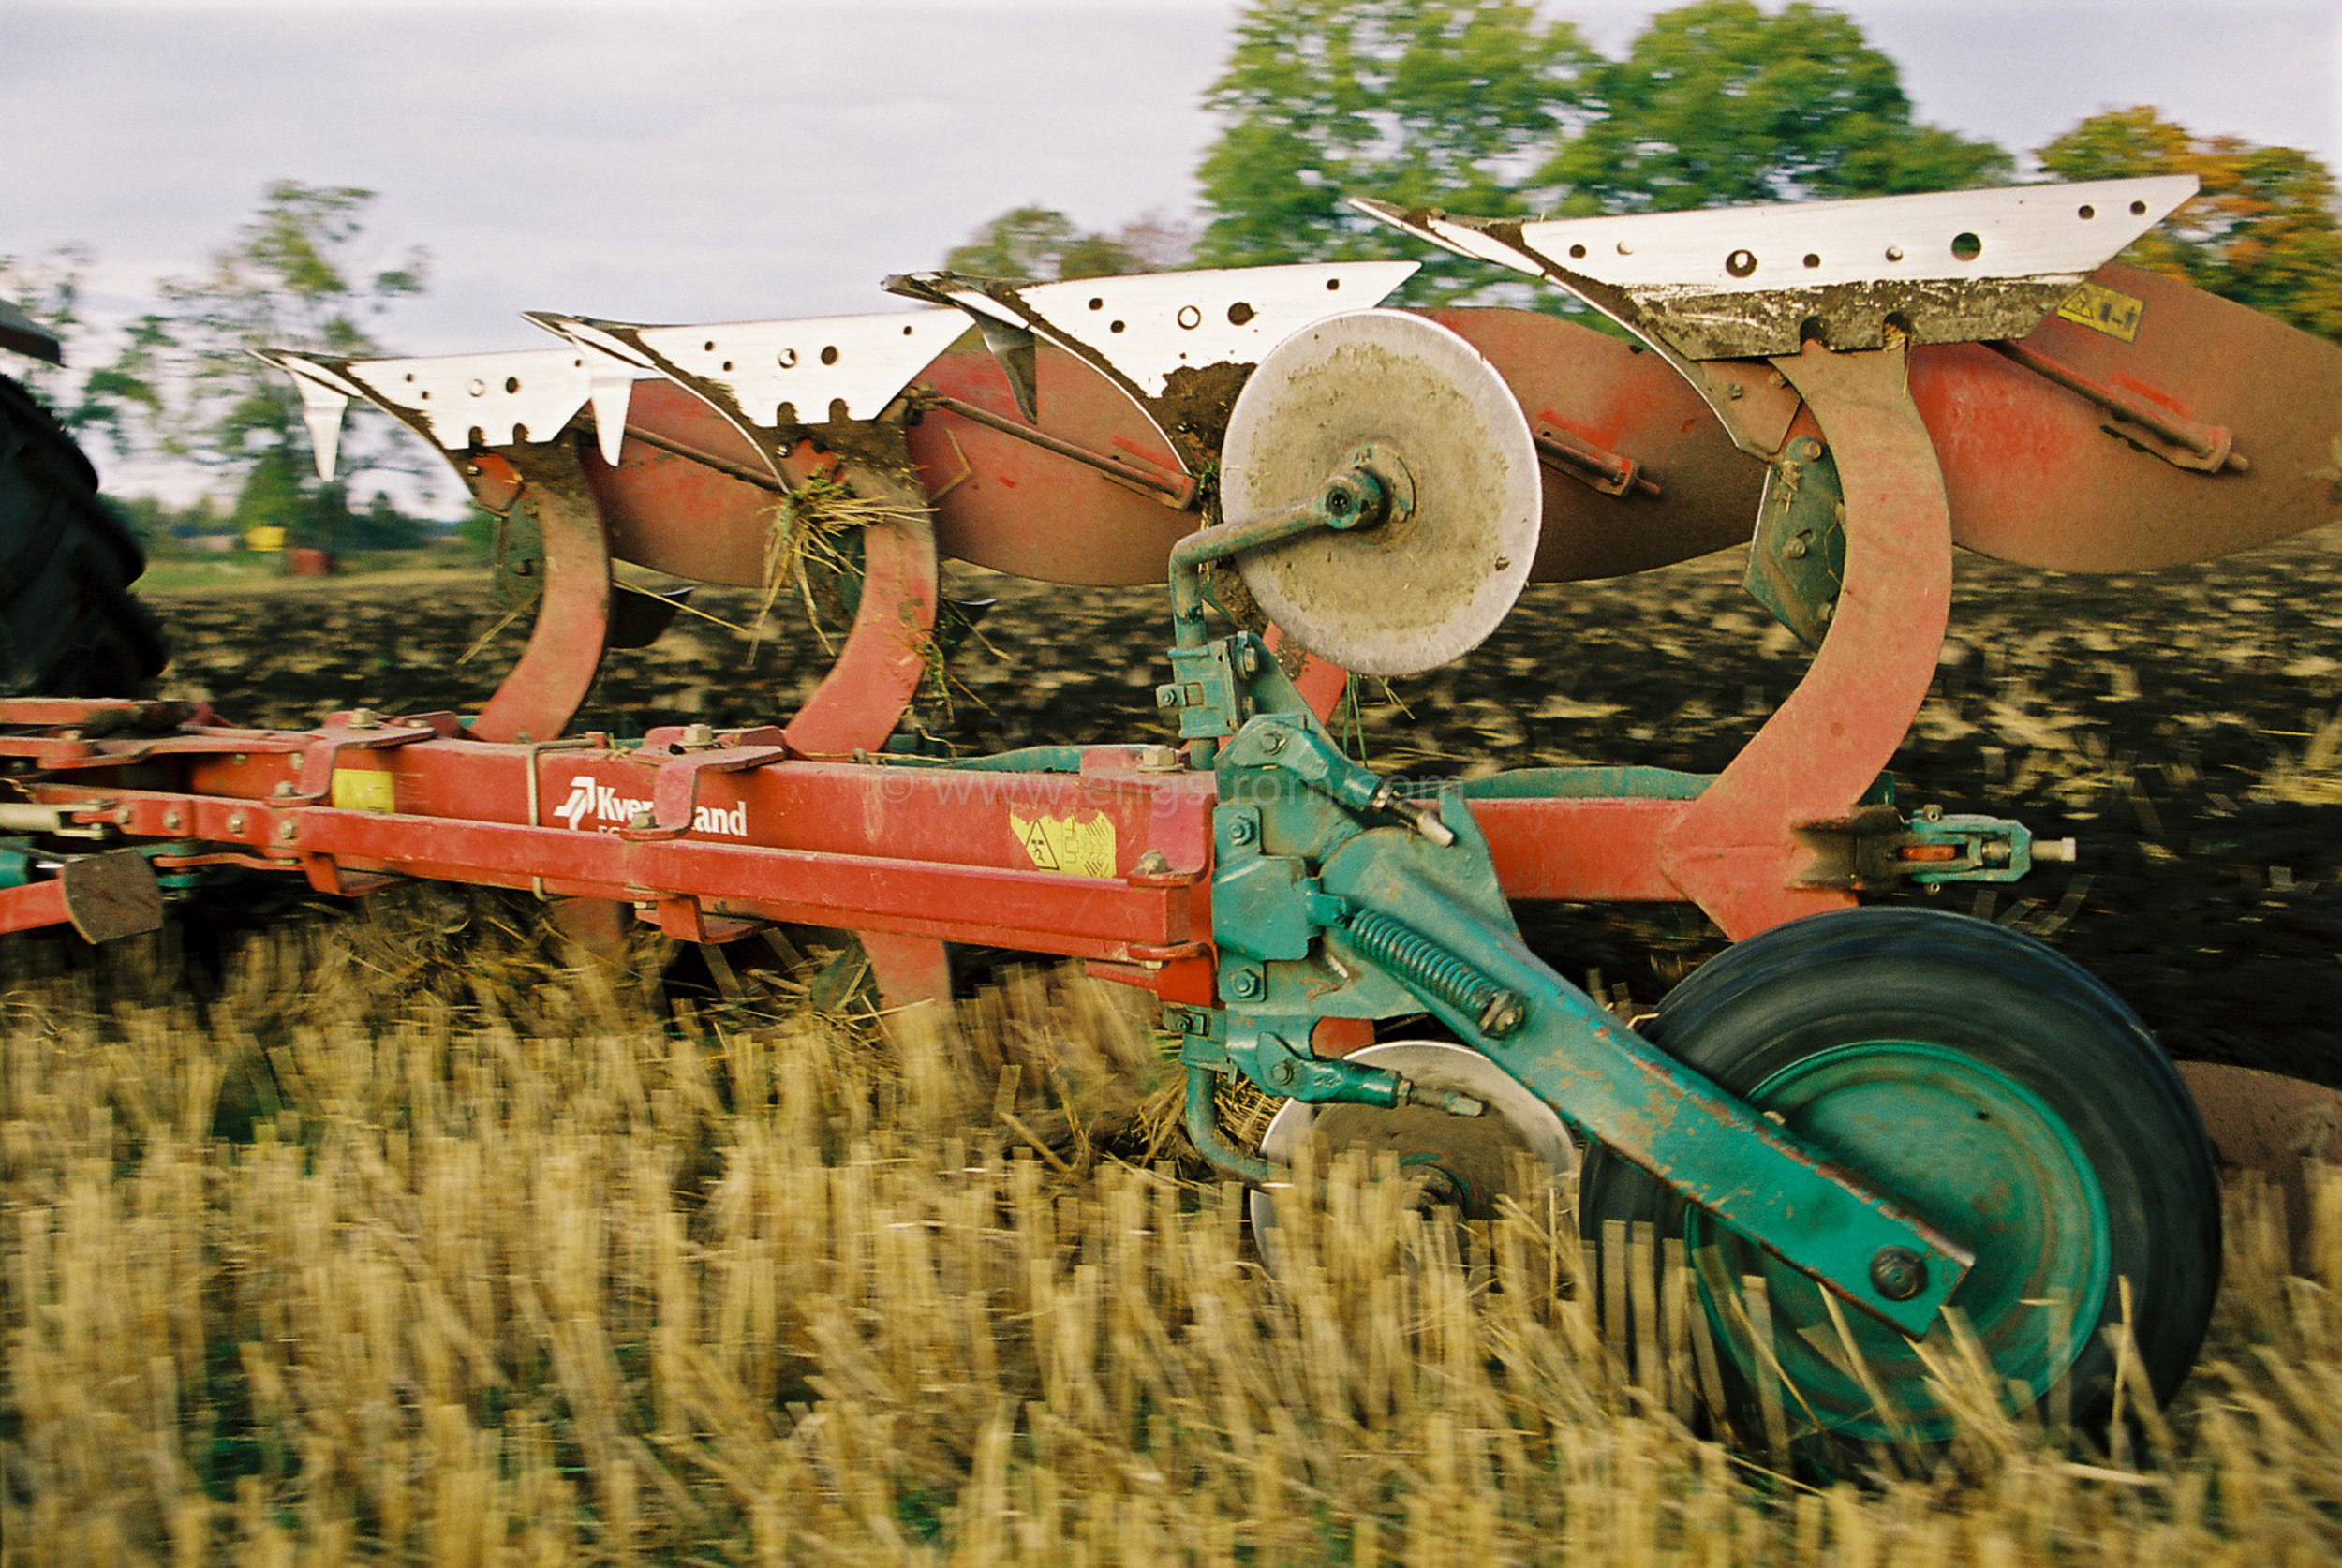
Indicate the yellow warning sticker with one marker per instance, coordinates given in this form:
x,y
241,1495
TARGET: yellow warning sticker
x,y
364,790
1077,848
2104,310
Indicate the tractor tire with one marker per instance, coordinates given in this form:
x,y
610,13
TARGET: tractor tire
x,y
68,624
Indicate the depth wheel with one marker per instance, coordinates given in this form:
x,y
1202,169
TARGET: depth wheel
x,y
1467,1164
1995,1090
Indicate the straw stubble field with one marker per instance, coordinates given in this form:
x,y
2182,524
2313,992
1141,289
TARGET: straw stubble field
x,y
405,1235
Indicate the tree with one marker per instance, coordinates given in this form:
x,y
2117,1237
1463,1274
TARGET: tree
x,y
2264,230
48,288
1158,241
184,385
1036,242
1718,103
1446,102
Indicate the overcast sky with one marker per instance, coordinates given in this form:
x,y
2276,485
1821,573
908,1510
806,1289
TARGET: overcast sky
x,y
691,162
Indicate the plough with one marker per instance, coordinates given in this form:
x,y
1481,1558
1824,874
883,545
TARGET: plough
x,y
1886,1136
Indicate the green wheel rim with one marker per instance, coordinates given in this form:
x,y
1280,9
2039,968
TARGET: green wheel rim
x,y
1978,1156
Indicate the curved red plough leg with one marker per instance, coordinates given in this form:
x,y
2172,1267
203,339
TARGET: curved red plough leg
x,y
1737,852
908,970
868,690
865,694
542,691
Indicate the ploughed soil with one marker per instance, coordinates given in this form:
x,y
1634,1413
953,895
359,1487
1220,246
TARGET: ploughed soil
x,y
2186,726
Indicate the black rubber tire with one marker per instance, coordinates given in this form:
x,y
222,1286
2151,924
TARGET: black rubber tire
x,y
1898,983
68,624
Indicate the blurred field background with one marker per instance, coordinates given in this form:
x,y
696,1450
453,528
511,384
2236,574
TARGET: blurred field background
x,y
403,1234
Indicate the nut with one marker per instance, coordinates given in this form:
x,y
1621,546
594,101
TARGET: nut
x,y
1898,1273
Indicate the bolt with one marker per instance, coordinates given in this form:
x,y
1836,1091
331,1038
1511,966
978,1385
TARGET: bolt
x,y
641,820
1506,1012
286,788
1248,658
1806,448
1796,548
1931,813
1826,610
173,822
235,822
1281,1073
1452,1101
1243,830
1168,696
1154,863
1157,759
1274,742
698,737
1245,983
287,830
363,718
1898,1273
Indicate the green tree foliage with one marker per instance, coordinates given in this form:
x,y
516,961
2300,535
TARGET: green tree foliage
x,y
1719,103
2264,230
1479,106
1038,242
48,288
296,275
1415,101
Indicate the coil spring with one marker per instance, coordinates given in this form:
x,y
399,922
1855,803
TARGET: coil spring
x,y
1453,979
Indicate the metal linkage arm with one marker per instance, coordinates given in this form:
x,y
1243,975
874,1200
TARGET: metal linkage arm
x,y
1622,1091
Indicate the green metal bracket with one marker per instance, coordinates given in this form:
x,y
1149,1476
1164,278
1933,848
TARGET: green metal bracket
x,y
1939,848
1587,783
1876,848
1262,1048
1297,745
1207,685
1797,558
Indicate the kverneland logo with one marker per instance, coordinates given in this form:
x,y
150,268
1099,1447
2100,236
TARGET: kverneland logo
x,y
592,801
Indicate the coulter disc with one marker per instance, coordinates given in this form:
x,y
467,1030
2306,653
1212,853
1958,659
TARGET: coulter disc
x,y
1412,593
1466,1163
